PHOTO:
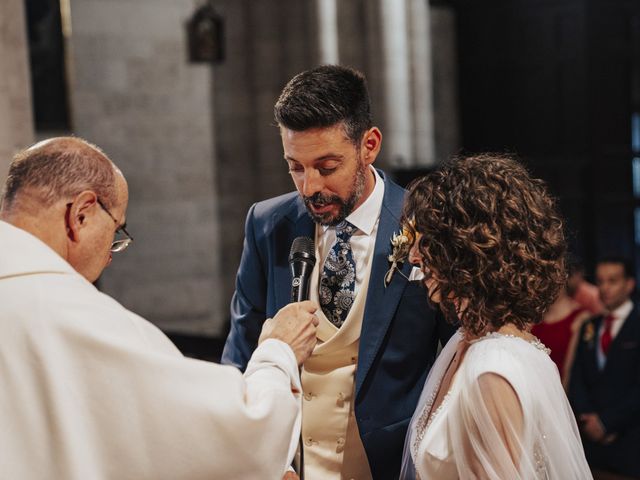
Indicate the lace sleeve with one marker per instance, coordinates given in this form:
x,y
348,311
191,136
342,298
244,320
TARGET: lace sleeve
x,y
507,417
512,419
487,426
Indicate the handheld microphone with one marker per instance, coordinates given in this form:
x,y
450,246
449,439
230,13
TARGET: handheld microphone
x,y
302,259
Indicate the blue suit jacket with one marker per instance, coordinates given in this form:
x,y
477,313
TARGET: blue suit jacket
x,y
400,332
613,393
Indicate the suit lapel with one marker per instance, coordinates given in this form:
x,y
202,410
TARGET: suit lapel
x,y
625,334
381,301
299,225
592,346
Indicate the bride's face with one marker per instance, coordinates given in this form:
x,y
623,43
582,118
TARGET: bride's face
x,y
430,279
432,287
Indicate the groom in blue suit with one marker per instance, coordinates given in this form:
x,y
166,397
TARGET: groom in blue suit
x,y
330,145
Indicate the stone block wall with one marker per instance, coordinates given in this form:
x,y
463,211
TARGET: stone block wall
x,y
198,143
135,94
16,124
265,48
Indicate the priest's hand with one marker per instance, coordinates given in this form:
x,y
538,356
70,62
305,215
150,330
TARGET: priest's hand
x,y
295,325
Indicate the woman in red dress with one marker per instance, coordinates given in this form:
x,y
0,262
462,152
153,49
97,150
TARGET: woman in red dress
x,y
559,331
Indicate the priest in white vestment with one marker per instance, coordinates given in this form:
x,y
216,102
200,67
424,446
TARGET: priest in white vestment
x,y
90,390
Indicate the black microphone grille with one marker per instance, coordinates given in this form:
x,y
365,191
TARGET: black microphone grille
x,y
303,249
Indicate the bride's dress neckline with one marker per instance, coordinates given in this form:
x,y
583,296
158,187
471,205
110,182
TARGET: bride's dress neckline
x,y
451,439
535,341
428,416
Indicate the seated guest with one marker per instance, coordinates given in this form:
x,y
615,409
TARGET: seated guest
x,y
90,390
605,381
559,331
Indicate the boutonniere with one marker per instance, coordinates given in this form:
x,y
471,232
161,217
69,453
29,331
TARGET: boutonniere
x,y
589,333
400,244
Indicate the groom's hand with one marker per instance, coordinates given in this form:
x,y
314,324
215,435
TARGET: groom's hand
x,y
291,476
295,325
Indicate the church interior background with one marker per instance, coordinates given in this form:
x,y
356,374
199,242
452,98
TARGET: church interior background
x,y
179,93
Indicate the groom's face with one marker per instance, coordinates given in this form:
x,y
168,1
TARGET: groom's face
x,y
329,171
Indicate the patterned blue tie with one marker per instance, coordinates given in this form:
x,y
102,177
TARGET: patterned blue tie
x,y
338,281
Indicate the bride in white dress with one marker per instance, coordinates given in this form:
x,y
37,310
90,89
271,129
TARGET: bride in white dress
x,y
491,245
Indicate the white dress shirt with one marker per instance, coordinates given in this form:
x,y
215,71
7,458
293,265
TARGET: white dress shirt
x,y
620,314
365,218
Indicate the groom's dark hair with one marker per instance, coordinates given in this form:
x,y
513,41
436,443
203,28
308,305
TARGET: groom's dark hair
x,y
323,97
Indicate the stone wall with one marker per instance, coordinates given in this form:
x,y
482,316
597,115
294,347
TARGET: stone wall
x,y
198,143
16,125
265,48
446,111
135,95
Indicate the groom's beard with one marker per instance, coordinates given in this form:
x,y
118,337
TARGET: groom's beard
x,y
346,206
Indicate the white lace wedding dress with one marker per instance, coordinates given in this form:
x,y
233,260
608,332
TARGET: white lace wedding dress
x,y
478,433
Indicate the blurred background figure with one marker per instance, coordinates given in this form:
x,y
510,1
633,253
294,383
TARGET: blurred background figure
x,y
605,380
580,290
559,331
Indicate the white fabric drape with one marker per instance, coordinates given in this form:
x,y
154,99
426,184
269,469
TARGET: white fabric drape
x,y
89,390
505,416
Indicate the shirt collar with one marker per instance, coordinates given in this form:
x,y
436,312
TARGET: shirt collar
x,y
623,310
364,217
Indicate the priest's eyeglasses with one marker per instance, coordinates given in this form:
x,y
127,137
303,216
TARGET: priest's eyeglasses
x,y
119,244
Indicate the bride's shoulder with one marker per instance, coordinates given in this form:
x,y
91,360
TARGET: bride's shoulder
x,y
506,355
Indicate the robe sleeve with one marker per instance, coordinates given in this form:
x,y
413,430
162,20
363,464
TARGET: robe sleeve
x,y
194,419
123,402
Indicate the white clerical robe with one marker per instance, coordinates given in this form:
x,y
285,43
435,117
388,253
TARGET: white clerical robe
x,y
89,390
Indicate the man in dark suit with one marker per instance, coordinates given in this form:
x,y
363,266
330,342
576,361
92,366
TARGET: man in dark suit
x,y
378,339
605,380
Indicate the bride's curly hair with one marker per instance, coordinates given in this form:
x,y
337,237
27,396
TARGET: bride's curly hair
x,y
491,238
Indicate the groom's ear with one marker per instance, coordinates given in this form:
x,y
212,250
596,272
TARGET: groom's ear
x,y
371,144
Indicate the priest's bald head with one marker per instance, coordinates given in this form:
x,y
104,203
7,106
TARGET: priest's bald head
x,y
71,196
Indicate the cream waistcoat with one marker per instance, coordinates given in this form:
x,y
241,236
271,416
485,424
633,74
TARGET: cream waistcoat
x,y
332,445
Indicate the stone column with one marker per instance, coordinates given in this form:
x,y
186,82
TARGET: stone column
x,y
444,56
399,146
422,85
407,83
16,124
328,31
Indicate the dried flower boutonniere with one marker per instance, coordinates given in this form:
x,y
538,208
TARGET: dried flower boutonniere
x,y
589,333
400,244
